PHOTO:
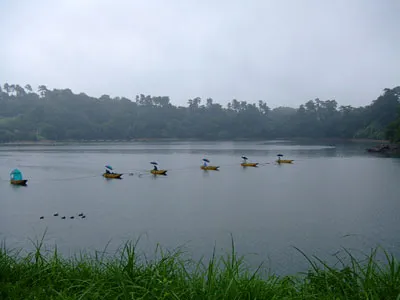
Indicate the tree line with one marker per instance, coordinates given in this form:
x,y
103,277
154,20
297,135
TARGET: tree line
x,y
59,114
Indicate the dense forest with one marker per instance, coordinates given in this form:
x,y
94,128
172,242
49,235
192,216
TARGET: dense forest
x,y
59,114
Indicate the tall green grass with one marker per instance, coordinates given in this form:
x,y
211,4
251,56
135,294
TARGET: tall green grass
x,y
170,275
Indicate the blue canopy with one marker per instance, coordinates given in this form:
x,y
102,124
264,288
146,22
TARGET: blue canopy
x,y
109,167
244,157
154,163
16,174
206,160
280,155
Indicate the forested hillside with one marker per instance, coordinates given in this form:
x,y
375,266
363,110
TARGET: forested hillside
x,y
393,130
59,114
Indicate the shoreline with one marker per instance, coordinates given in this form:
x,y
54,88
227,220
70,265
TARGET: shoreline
x,y
145,140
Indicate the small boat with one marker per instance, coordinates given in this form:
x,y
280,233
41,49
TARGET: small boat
x,y
158,172
18,182
379,149
16,178
206,167
112,175
211,168
249,164
284,161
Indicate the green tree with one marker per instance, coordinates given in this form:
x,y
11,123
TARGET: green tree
x,y
42,89
7,88
59,114
28,87
11,88
19,91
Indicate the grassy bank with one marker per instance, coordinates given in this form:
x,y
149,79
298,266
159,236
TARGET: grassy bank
x,y
172,276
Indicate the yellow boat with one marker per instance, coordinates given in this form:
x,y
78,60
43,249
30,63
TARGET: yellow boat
x,y
210,168
159,172
249,164
285,161
19,182
112,175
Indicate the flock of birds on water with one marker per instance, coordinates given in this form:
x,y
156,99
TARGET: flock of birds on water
x,y
56,214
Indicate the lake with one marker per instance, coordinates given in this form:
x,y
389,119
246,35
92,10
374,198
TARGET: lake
x,y
331,197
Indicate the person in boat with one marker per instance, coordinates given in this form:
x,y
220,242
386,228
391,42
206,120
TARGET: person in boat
x,y
205,164
155,168
108,172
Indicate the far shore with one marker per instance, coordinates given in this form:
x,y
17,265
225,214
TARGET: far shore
x,y
143,140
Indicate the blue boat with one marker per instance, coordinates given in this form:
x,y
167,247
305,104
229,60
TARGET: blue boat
x,y
16,178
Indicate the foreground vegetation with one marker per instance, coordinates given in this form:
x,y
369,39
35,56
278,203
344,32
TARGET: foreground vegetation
x,y
61,115
172,276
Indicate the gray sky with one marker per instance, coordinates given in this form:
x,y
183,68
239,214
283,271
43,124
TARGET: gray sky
x,y
284,52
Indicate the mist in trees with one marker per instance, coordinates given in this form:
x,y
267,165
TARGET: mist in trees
x,y
59,114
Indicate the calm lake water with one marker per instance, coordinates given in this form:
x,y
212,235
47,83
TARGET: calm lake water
x,y
331,197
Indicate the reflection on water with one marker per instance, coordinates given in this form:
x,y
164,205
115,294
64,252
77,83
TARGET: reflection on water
x,y
329,198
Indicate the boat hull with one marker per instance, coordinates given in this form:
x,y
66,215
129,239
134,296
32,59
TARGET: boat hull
x,y
19,182
112,176
285,161
210,168
158,172
249,164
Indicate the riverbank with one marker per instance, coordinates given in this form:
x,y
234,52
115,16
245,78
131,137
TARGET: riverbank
x,y
172,276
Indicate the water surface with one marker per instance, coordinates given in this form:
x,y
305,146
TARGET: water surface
x,y
331,197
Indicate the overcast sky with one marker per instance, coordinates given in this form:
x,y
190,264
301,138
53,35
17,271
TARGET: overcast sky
x,y
283,51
